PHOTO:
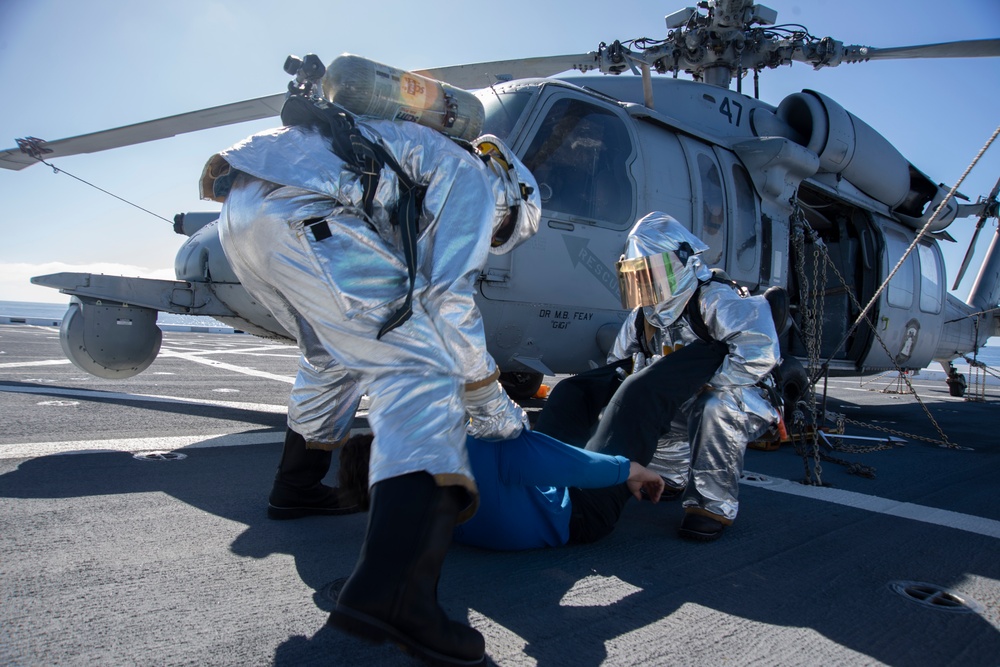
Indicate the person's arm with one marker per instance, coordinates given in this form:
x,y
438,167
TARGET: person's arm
x,y
627,341
456,225
535,459
746,327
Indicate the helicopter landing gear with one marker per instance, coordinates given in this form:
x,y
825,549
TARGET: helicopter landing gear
x,y
956,382
521,385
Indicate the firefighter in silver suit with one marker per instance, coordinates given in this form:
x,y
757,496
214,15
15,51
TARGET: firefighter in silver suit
x,y
295,228
660,273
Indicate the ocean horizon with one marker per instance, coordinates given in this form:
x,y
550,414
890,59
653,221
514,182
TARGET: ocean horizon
x,y
56,311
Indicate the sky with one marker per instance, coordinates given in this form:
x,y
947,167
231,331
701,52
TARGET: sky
x,y
70,67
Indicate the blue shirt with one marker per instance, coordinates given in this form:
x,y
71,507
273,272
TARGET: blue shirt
x,y
523,496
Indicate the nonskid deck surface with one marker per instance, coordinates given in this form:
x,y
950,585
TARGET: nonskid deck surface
x,y
149,543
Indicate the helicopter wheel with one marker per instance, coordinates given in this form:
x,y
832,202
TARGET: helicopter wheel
x,y
793,382
956,385
521,385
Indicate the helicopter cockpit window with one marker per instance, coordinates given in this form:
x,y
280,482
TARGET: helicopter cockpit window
x,y
900,292
745,227
713,205
579,157
503,109
930,280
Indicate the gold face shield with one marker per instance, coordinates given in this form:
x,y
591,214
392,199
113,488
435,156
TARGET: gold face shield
x,y
650,280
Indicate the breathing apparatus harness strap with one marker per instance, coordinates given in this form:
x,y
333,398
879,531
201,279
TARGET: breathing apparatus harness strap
x,y
365,158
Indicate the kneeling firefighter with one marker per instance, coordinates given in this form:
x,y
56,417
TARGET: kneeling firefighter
x,y
364,237
694,344
678,301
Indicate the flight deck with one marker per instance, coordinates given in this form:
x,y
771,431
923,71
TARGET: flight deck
x,y
133,531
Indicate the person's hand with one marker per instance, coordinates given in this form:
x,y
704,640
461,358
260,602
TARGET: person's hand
x,y
642,479
641,361
492,414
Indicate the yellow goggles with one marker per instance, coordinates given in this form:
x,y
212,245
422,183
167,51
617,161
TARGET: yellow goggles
x,y
647,281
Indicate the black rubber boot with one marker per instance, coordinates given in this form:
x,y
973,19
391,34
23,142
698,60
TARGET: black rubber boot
x,y
298,489
392,594
700,528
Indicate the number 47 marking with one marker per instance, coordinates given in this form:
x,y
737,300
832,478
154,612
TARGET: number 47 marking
x,y
727,111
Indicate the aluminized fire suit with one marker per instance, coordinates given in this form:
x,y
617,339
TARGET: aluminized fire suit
x,y
334,289
731,409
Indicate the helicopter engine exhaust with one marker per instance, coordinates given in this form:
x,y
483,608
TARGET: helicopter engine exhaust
x,y
110,341
849,147
845,144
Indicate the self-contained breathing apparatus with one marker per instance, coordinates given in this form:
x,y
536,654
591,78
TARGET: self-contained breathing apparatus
x,y
370,89
362,156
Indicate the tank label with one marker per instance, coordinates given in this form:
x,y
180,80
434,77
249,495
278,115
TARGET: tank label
x,y
416,95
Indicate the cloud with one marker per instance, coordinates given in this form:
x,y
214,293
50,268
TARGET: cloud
x,y
15,278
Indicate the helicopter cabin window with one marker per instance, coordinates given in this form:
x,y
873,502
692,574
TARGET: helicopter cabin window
x,y
900,292
745,228
503,109
712,210
930,280
579,157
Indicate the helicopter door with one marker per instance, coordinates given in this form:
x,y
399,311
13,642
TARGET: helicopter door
x,y
560,287
910,317
580,156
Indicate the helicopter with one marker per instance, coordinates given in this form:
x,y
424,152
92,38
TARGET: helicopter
x,y
766,186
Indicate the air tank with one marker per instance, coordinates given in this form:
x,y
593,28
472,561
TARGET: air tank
x,y
368,88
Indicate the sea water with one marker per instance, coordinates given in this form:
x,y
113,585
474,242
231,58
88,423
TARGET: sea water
x,y
56,311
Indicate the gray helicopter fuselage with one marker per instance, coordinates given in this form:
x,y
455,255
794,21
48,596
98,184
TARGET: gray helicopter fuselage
x,y
736,171
740,173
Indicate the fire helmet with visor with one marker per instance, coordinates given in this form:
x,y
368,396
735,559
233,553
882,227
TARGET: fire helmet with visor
x,y
660,268
518,206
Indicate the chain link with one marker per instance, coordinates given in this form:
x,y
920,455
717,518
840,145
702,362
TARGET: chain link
x,y
812,333
811,318
902,434
811,309
904,376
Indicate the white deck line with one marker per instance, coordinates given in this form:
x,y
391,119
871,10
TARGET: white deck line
x,y
922,513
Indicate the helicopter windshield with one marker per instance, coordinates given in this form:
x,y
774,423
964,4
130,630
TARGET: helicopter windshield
x,y
579,156
502,108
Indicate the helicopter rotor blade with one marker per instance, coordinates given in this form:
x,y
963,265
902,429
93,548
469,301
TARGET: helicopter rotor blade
x,y
193,121
967,259
481,75
475,75
988,212
973,48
